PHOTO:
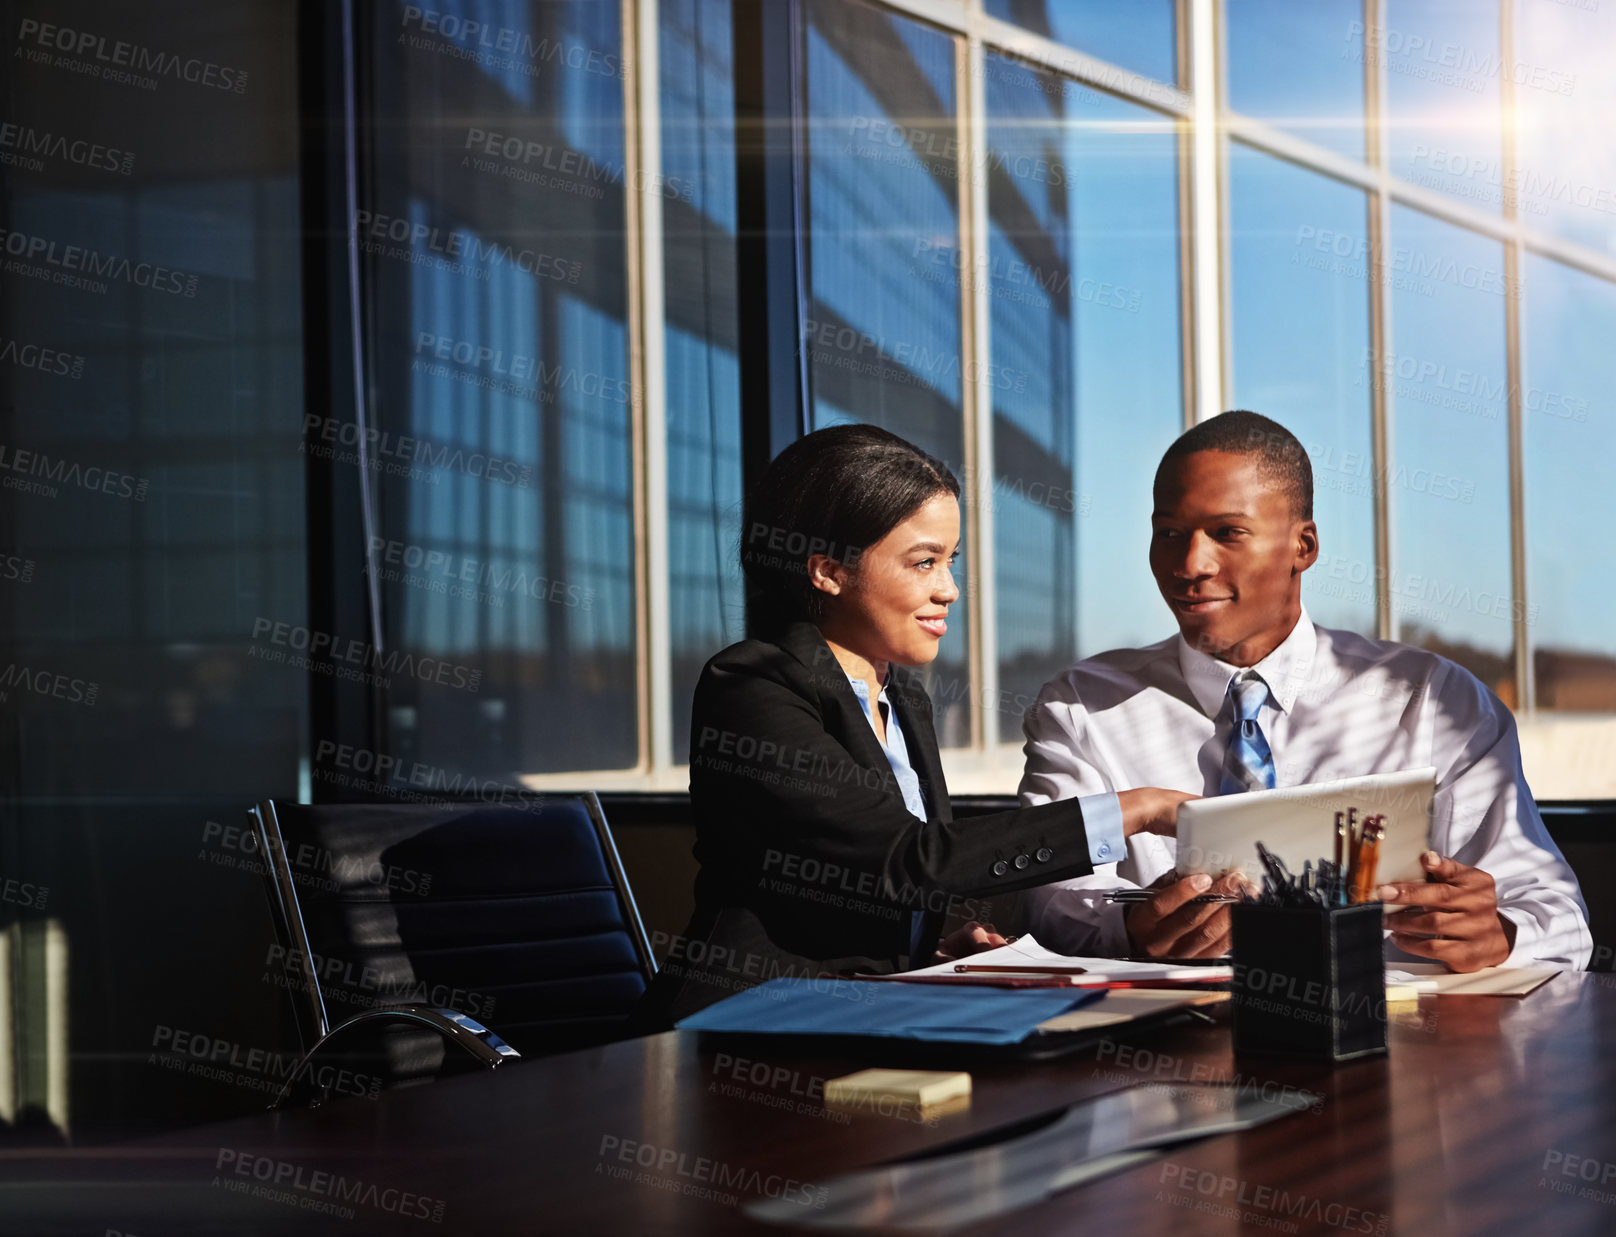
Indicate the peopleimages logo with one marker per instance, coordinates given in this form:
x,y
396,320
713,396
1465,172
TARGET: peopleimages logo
x,y
25,355
845,347
46,683
396,455
58,471
502,46
322,645
507,369
114,60
16,567
373,227
549,166
96,266
28,147
304,1186
442,571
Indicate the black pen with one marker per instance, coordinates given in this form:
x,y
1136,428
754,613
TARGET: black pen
x,y
1146,895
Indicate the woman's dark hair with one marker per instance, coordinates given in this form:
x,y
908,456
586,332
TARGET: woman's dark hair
x,y
835,492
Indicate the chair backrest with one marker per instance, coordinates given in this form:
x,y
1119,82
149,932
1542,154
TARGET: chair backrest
x,y
518,915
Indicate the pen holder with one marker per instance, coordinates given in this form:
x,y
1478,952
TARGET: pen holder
x,y
1309,982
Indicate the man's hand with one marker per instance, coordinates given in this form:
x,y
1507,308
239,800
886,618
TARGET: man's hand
x,y
1453,919
1170,925
973,938
1151,810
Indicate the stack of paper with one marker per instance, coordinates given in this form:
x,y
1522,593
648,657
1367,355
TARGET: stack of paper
x,y
1030,958
1126,1005
1433,977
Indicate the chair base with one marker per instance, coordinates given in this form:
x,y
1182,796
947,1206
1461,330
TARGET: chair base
x,y
476,1040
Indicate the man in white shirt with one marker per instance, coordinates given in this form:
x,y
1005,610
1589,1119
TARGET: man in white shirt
x,y
1250,694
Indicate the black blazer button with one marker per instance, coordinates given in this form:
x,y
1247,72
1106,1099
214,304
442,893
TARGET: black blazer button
x,y
1044,854
1021,862
1000,868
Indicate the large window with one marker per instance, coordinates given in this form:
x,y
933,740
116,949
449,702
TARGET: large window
x,y
1570,433
494,278
1137,35
1448,489
1564,173
1299,283
703,394
1300,67
1083,259
1039,240
882,332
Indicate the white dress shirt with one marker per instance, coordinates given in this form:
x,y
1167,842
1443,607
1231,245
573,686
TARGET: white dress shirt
x,y
1340,705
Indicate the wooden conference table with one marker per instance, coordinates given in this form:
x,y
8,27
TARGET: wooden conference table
x,y
1490,1115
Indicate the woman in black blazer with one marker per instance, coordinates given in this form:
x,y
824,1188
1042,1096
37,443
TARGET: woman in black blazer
x,y
823,828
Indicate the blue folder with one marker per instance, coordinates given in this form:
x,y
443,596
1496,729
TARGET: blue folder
x,y
896,1010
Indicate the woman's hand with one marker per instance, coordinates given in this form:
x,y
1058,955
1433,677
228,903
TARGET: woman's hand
x,y
1151,810
973,938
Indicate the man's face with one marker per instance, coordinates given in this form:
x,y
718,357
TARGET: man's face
x,y
1228,553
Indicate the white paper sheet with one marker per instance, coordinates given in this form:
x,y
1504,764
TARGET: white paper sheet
x,y
1026,952
1435,978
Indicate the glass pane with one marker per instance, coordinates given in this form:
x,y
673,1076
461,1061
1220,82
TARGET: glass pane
x,y
704,406
1138,35
883,323
1299,303
492,246
1564,100
1300,67
1449,483
153,577
1569,440
1083,265
1443,96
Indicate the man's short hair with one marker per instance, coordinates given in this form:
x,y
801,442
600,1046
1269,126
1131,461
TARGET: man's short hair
x,y
1280,455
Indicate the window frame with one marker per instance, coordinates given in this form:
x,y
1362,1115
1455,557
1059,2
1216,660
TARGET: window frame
x,y
1197,103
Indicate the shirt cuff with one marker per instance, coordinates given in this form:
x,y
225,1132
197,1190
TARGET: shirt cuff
x,y
1102,822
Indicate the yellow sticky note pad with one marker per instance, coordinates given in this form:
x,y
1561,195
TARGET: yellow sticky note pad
x,y
923,1088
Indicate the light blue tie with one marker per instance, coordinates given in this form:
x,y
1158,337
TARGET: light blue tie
x,y
1248,764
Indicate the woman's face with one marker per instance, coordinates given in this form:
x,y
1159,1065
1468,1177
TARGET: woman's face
x,y
892,605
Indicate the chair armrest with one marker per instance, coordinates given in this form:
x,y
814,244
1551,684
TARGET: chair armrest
x,y
476,1040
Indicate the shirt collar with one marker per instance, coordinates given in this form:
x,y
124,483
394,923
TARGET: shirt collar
x,y
861,689
1285,670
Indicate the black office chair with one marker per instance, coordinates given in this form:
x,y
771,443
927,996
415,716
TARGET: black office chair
x,y
403,929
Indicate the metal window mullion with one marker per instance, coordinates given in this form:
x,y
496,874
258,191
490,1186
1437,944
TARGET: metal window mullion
x,y
1380,329
1046,53
1566,253
976,388
999,35
1184,162
951,15
1515,376
1263,136
642,158
1203,220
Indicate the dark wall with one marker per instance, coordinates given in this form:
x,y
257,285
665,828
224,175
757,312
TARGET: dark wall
x,y
151,519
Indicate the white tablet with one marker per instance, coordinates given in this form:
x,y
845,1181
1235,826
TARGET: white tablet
x,y
1297,823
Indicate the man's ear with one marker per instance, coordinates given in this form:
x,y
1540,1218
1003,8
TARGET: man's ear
x,y
826,574
1307,546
